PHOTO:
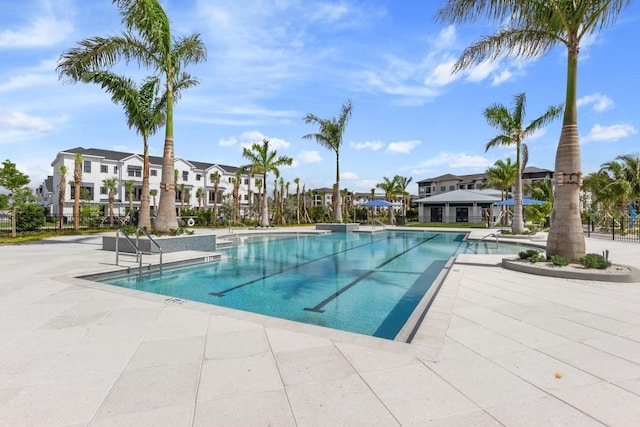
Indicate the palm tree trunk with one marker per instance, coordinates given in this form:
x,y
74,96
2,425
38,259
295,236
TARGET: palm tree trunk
x,y
265,204
566,237
338,196
144,218
167,218
517,224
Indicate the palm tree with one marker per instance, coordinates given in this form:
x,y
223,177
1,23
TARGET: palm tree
x,y
62,190
259,186
145,112
129,187
77,182
619,188
264,161
111,185
216,182
149,42
390,188
631,163
200,197
502,176
533,29
541,190
513,132
182,191
330,136
153,193
403,183
296,181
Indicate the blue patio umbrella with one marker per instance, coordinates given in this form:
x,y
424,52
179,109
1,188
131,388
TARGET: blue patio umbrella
x,y
376,203
525,201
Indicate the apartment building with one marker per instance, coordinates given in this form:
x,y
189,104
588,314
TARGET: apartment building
x,y
98,165
449,182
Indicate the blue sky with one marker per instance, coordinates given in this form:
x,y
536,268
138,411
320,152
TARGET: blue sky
x,y
271,62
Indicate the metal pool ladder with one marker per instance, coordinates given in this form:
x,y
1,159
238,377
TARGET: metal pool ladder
x,y
136,246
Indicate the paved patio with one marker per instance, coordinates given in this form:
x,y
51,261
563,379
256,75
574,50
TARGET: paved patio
x,y
496,348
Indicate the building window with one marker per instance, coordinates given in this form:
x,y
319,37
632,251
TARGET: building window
x,y
246,197
104,169
443,188
153,172
115,169
198,177
103,190
230,180
87,166
134,171
185,176
246,181
452,187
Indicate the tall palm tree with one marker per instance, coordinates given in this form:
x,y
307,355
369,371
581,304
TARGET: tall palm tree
x,y
403,183
330,136
62,190
533,29
541,190
111,184
259,201
153,193
200,197
513,132
502,175
620,187
148,41
145,111
129,187
296,181
631,164
77,182
264,161
216,183
390,188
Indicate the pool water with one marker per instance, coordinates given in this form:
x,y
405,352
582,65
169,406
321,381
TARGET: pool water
x,y
359,282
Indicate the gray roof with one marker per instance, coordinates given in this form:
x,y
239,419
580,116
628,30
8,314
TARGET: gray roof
x,y
458,196
154,160
476,176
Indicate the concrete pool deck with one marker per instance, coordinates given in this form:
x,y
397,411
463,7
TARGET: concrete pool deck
x,y
497,347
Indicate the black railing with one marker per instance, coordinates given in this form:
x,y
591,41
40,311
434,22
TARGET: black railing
x,y
51,223
621,229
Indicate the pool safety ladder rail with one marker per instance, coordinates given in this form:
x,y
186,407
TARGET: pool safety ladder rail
x,y
136,246
491,235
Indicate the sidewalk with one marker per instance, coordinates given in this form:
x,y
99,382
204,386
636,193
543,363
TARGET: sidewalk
x,y
496,348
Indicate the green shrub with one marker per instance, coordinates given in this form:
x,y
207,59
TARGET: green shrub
x,y
527,254
594,261
30,218
538,257
559,261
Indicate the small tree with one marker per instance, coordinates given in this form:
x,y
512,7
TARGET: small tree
x,y
129,187
13,180
62,190
153,193
111,184
77,182
200,197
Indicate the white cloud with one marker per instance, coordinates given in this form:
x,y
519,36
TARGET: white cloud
x,y
454,161
22,122
482,70
229,142
598,101
404,147
248,138
348,176
17,126
442,74
367,145
503,76
44,30
311,156
609,133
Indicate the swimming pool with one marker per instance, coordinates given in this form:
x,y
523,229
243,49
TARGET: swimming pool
x,y
368,283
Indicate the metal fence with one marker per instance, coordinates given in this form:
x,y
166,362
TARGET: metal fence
x,y
51,223
623,230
